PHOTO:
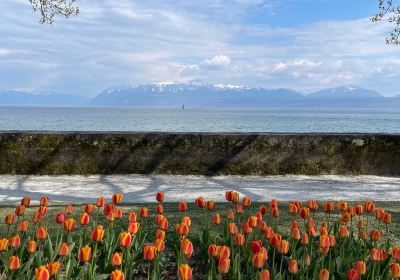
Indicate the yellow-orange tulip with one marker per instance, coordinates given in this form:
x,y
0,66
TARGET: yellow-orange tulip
x,y
26,201
117,198
84,219
186,248
53,268
160,245
20,210
295,234
160,234
133,228
98,233
69,209
44,201
15,241
69,224
324,274
182,229
394,269
361,267
304,238
224,265
149,252
186,220
144,212
217,219
41,233
232,229
240,240
283,247
265,275
23,226
89,208
31,246
293,266
160,209
42,273
211,205
85,254
258,260
223,252
125,239
253,221
185,272
117,275
9,219
246,228
246,201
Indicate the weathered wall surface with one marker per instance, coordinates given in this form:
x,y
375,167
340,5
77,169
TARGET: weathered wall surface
x,y
198,153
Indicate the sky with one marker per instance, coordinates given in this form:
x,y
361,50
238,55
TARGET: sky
x,y
304,45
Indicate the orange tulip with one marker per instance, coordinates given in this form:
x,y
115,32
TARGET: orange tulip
x,y
69,224
324,274
307,260
144,212
200,202
258,260
378,255
89,208
116,259
352,274
275,212
232,229
246,201
98,233
31,246
217,219
42,273
186,248
263,209
133,228
213,250
343,231
44,201
293,208
324,241
132,217
295,234
312,204
246,228
13,263
125,239
359,209
26,201
224,265
160,197
100,202
394,269
64,250
118,213
293,266
361,267
85,254
43,210
160,245
160,209
332,240
117,275
265,275
345,217
387,218
304,238
342,205
182,206
186,220
9,219
20,210
275,239
211,205
253,221
379,213
375,234
223,252
160,234
163,224
117,198
84,219
36,217
41,233
329,207
230,215
23,226
69,209
149,252
53,268
262,225
283,247
15,241
182,229
240,240
304,212
185,272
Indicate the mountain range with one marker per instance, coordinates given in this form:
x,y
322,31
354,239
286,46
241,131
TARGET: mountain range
x,y
202,95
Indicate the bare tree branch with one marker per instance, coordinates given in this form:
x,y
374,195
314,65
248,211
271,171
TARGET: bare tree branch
x,y
390,12
50,8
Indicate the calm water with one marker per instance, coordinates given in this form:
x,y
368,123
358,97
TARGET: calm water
x,y
199,120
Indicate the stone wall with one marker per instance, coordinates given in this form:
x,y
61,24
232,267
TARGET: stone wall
x,y
198,153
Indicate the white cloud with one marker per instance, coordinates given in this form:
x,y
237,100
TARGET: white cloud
x,y
217,61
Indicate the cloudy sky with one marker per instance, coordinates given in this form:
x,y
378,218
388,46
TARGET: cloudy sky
x,y
299,44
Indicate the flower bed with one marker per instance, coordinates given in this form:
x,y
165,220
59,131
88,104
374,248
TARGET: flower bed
x,y
298,240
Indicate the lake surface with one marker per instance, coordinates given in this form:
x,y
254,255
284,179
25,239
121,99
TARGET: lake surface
x,y
199,120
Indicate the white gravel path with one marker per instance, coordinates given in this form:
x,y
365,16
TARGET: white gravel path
x,y
142,188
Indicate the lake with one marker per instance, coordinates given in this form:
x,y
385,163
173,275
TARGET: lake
x,y
199,120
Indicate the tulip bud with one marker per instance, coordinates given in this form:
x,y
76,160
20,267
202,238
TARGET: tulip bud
x,y
26,201
324,274
9,219
230,215
160,209
232,229
160,245
118,213
375,234
211,205
240,240
307,260
160,234
258,260
98,233
36,217
13,263
160,197
212,250
133,228
394,269
89,208
23,226
100,202
275,212
132,217
144,212
275,239
246,228
265,275
343,231
352,274
41,233
15,241
64,250
304,212
224,252
182,206
125,239
255,246
200,202
263,209
186,248
293,266
69,209
43,210
20,210
361,267
295,233
246,201
31,246
283,247
44,201
60,218
252,220
116,259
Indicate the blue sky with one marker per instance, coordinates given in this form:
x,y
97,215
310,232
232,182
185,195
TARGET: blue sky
x,y
299,44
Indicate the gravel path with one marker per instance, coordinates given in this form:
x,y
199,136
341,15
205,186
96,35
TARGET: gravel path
x,y
142,188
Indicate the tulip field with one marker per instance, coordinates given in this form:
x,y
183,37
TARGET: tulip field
x,y
201,239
